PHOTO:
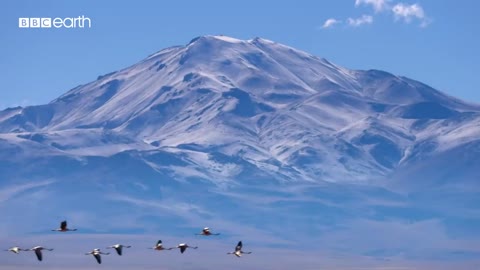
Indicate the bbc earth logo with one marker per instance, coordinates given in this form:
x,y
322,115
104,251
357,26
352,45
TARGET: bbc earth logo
x,y
68,22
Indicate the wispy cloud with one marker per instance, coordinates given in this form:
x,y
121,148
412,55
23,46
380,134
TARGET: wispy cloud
x,y
180,208
9,192
408,13
399,11
364,19
275,222
394,239
196,216
378,5
330,23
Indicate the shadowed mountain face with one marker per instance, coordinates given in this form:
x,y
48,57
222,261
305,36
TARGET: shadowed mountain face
x,y
236,117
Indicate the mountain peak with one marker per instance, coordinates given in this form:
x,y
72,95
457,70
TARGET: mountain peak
x,y
230,39
215,38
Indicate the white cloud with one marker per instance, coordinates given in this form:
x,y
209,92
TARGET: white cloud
x,y
409,12
400,11
330,22
179,208
364,19
378,5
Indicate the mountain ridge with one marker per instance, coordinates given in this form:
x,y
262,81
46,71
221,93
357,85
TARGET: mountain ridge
x,y
281,112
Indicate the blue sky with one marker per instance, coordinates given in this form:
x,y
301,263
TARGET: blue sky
x,y
434,41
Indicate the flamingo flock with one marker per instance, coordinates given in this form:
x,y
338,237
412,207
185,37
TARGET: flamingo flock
x,y
96,252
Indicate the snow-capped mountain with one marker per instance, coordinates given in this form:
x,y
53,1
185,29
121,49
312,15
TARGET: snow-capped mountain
x,y
224,109
259,140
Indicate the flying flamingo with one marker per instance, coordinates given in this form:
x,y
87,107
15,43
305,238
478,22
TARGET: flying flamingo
x,y
159,246
206,232
238,250
38,251
119,248
184,247
96,253
63,227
